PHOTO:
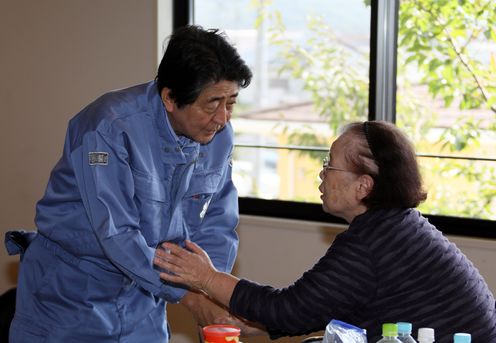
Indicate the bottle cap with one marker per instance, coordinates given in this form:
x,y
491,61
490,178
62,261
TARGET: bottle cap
x,y
425,334
405,328
221,333
389,329
462,338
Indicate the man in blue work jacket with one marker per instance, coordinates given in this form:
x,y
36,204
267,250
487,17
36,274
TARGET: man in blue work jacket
x,y
140,166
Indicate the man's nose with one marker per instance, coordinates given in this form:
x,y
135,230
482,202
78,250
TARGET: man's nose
x,y
222,116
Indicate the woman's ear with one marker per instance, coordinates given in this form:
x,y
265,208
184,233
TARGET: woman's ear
x,y
169,103
365,186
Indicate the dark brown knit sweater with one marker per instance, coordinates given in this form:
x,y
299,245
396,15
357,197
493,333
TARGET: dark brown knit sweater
x,y
389,266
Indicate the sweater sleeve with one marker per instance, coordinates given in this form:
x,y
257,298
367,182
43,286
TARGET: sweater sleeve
x,y
338,286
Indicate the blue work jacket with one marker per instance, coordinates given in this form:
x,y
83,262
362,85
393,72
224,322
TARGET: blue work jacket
x,y
125,183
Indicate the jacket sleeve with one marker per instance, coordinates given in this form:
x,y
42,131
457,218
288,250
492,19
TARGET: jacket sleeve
x,y
217,235
337,287
107,188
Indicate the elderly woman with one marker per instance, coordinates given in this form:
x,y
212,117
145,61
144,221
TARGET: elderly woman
x,y
390,264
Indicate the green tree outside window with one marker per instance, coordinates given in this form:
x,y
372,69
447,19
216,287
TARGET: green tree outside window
x,y
439,51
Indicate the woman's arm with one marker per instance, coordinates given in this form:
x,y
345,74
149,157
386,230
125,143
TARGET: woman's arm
x,y
193,268
337,286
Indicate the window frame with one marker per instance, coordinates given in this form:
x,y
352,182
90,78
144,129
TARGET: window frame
x,y
382,106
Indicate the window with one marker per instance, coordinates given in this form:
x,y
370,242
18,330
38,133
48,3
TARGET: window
x,y
446,101
320,64
310,61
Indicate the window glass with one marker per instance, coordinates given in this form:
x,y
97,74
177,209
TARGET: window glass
x,y
310,61
446,101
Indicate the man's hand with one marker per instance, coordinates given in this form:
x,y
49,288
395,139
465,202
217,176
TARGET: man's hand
x,y
207,312
204,310
247,328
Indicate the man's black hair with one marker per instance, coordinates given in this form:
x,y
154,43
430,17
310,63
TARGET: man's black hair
x,y
196,57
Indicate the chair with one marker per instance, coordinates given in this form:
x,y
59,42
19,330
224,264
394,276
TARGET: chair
x,y
313,339
7,309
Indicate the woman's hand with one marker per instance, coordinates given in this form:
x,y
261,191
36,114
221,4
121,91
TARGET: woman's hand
x,y
191,267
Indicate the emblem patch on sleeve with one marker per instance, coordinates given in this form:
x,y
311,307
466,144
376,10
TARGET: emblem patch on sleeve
x,y
98,158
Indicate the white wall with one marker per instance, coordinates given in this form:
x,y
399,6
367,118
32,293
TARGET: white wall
x,y
56,56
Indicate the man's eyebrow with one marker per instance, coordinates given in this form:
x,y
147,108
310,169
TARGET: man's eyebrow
x,y
217,98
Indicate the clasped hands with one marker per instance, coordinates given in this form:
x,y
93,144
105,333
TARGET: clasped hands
x,y
192,267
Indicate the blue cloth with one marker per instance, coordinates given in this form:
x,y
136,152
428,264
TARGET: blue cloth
x,y
125,183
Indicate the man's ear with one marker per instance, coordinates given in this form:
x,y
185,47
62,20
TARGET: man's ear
x,y
169,103
365,186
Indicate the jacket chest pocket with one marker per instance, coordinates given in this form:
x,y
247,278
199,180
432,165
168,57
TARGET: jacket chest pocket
x,y
150,198
199,196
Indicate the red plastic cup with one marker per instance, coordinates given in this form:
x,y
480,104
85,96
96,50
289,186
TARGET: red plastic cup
x,y
221,334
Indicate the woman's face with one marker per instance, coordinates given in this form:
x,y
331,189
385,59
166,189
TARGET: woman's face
x,y
340,187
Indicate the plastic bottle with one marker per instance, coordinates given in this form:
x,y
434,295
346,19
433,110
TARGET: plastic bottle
x,y
339,331
462,338
425,335
405,332
389,333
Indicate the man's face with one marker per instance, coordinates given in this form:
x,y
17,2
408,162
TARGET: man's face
x,y
201,120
